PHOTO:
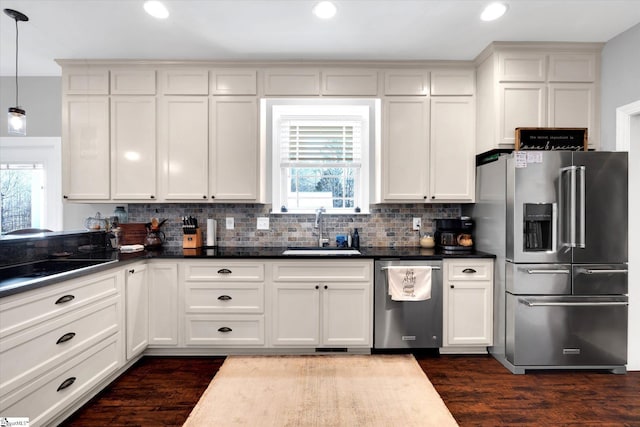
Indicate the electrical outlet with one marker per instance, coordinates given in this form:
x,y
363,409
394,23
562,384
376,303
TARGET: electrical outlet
x,y
263,223
230,223
417,223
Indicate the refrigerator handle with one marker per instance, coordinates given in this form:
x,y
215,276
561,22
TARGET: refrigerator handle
x,y
581,173
568,214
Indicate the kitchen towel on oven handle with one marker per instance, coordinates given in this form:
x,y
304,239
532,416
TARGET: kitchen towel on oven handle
x,y
409,283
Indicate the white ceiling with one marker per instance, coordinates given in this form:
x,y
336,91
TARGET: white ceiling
x,y
286,29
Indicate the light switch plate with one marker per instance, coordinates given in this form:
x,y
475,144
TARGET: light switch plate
x,y
230,223
263,223
417,222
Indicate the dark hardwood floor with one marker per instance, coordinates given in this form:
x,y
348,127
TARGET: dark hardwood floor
x,y
161,391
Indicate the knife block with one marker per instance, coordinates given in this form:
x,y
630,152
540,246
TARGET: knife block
x,y
192,241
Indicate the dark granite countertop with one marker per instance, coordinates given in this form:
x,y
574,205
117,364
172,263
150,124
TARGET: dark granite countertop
x,y
11,285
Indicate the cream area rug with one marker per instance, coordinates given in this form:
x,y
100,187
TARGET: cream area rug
x,y
320,390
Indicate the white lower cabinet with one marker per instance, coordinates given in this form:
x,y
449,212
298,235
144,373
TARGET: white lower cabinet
x,y
467,305
163,304
322,304
57,343
137,308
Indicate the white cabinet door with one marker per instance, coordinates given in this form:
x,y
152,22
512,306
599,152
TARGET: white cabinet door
x,y
292,81
405,149
137,309
452,165
133,81
346,314
573,67
85,80
85,147
234,161
406,82
163,304
234,81
133,147
349,82
296,314
185,81
517,66
574,105
521,105
468,303
452,82
184,147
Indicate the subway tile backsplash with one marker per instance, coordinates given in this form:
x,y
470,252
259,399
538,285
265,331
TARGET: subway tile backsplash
x,y
386,225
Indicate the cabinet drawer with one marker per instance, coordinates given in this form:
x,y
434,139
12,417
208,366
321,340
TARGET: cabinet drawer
x,y
322,271
218,298
31,353
224,330
234,81
227,272
29,308
43,399
469,270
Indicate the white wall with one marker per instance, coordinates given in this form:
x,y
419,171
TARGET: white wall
x,y
620,87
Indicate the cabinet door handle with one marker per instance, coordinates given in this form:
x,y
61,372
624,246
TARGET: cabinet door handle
x,y
469,271
225,329
132,271
204,196
66,337
224,271
452,287
317,286
65,298
224,298
326,287
66,383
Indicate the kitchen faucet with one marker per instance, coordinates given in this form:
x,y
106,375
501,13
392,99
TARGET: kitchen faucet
x,y
322,242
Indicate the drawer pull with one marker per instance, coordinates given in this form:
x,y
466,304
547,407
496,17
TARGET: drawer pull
x,y
224,271
225,329
469,271
65,298
66,337
66,383
224,298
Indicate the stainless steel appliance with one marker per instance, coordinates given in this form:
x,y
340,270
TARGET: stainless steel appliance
x,y
407,324
557,222
453,235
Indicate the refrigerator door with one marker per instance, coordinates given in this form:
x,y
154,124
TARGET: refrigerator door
x,y
534,208
601,218
600,279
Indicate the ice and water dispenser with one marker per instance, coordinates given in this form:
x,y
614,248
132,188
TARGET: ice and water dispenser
x,y
538,227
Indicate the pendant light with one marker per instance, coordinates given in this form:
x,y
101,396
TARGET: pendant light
x,y
17,117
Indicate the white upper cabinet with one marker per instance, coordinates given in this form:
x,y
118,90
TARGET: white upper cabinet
x,y
125,81
234,81
234,157
349,82
292,81
85,148
184,81
406,82
405,149
521,105
516,66
581,68
453,82
85,80
452,165
183,143
133,147
573,105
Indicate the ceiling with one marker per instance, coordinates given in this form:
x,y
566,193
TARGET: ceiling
x,y
287,30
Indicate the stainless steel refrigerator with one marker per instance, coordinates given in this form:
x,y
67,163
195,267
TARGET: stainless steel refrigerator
x,y
557,222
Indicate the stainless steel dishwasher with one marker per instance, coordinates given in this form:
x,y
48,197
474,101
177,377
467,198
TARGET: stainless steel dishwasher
x,y
407,324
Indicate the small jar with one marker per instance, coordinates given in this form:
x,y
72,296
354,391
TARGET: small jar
x,y
427,241
121,215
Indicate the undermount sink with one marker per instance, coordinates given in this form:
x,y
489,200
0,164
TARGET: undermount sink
x,y
322,251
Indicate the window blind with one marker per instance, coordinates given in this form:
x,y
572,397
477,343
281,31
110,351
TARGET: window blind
x,y
320,143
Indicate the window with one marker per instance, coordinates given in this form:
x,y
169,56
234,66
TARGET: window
x,y
320,155
30,183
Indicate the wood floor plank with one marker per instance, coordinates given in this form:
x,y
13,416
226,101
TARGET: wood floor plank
x,y
479,391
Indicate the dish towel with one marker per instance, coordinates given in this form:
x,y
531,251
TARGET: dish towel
x,y
409,283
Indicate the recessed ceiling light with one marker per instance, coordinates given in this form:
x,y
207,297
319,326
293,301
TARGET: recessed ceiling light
x,y
493,11
325,10
156,9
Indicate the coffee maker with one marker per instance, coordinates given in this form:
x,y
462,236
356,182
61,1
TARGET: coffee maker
x,y
454,235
